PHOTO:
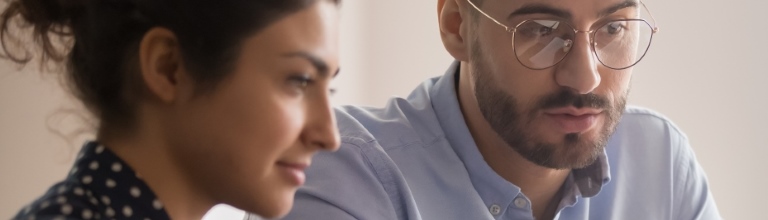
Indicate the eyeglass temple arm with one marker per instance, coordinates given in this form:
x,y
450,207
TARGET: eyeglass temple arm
x,y
488,16
655,27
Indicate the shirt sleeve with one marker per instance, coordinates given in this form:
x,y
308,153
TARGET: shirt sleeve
x,y
343,185
693,199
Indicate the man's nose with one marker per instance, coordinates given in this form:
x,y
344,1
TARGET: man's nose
x,y
578,70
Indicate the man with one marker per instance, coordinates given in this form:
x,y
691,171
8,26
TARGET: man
x,y
529,123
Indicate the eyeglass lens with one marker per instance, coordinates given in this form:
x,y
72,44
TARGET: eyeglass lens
x,y
540,44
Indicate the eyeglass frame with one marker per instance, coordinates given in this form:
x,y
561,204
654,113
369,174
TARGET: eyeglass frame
x,y
590,33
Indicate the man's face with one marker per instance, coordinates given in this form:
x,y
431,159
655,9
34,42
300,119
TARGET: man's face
x,y
559,117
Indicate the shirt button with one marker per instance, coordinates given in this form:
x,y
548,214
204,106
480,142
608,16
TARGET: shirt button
x,y
495,209
520,202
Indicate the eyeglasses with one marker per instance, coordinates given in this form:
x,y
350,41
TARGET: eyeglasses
x,y
542,43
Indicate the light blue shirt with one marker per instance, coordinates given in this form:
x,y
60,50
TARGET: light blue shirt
x,y
415,159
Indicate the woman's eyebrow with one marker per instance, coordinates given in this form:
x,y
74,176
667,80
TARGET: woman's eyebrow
x,y
319,64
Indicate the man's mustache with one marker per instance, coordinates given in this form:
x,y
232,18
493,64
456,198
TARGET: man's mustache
x,y
565,98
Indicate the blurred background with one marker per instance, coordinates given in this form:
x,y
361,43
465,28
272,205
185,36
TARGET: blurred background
x,y
705,71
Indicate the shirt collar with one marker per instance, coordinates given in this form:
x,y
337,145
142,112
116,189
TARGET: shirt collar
x,y
491,187
112,185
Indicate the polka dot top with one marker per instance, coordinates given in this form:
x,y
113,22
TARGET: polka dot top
x,y
99,186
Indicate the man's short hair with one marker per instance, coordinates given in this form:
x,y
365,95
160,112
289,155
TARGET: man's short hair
x,y
474,13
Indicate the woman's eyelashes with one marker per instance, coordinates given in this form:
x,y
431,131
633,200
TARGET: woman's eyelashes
x,y
301,81
332,91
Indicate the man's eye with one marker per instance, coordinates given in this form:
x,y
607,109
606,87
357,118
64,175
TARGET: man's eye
x,y
544,31
615,27
539,31
539,28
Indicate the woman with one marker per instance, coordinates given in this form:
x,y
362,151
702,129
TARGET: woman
x,y
200,102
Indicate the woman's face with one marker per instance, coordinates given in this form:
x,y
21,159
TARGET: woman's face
x,y
247,142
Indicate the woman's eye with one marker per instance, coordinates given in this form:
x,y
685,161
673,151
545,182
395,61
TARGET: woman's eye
x,y
301,81
332,91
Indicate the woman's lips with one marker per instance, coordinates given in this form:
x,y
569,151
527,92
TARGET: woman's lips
x,y
293,172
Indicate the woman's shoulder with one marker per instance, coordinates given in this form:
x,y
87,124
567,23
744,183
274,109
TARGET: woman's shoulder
x,y
99,186
64,200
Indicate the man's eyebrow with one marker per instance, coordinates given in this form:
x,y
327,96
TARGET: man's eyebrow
x,y
319,64
617,7
536,8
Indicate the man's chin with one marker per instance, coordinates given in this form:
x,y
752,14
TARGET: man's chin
x,y
582,153
571,151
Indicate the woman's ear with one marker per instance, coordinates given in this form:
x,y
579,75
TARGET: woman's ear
x,y
452,25
160,63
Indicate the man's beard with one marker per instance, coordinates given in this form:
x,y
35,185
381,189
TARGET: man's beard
x,y
505,115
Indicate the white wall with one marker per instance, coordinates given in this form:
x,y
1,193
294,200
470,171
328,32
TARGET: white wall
x,y
704,71
707,72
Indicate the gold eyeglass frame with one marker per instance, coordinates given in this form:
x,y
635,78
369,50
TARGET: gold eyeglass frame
x,y
590,33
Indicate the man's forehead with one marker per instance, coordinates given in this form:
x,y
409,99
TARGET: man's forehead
x,y
562,3
563,8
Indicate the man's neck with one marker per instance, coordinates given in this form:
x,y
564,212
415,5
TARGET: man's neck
x,y
539,184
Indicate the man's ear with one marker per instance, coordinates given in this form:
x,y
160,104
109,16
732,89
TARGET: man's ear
x,y
161,64
453,28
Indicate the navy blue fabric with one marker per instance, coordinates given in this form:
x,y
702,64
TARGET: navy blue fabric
x,y
99,186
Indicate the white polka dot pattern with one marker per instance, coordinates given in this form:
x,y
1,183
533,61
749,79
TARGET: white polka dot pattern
x,y
87,179
94,165
157,204
110,212
79,191
106,200
117,167
66,209
61,200
99,186
127,211
111,183
135,192
87,214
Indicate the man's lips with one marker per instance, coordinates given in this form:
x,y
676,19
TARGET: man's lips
x,y
573,111
573,120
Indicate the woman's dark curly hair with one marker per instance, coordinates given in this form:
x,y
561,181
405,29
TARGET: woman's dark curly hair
x,y
104,35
